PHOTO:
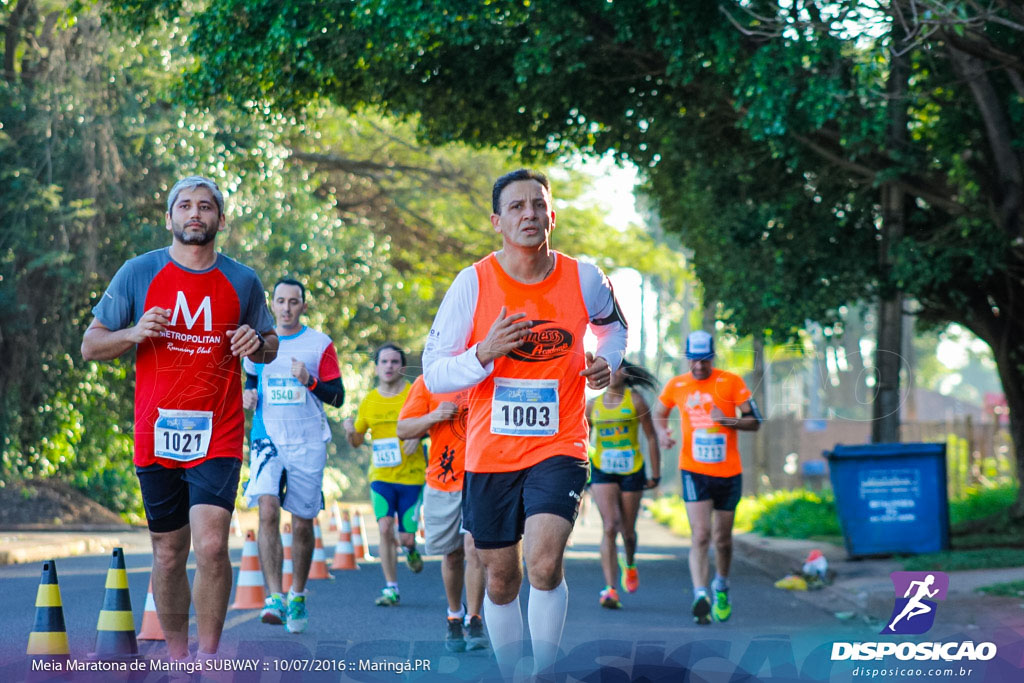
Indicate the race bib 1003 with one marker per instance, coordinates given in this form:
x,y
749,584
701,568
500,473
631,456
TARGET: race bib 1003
x,y
524,407
182,435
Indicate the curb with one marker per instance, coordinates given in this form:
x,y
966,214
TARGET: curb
x,y
53,551
779,557
26,547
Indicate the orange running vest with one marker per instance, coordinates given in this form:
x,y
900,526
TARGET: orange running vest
x,y
531,407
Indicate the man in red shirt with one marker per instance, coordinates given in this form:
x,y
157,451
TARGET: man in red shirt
x,y
191,314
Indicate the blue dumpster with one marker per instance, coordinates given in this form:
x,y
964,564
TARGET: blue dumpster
x,y
891,497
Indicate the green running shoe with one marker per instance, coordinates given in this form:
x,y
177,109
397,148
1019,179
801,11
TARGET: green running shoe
x,y
298,617
388,597
414,561
722,609
702,610
273,609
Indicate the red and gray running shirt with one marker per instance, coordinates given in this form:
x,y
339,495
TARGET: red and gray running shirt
x,y
188,398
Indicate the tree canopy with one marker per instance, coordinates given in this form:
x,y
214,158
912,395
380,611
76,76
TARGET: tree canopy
x,y
93,134
763,127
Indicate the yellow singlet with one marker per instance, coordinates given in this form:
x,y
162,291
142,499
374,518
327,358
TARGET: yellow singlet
x,y
618,441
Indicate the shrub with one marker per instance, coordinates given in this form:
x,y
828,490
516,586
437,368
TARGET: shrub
x,y
797,514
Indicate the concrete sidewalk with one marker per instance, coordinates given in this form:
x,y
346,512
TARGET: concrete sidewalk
x,y
22,547
863,590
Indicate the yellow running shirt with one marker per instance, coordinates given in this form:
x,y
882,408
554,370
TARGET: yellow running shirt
x,y
618,441
379,416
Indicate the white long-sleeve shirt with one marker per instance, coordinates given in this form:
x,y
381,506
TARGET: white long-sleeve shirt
x,y
450,365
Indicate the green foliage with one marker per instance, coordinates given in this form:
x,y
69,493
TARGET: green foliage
x,y
94,131
765,128
797,514
963,560
1010,589
980,503
810,514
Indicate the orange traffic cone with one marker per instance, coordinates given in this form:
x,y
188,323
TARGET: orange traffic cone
x,y
115,630
421,529
249,593
358,544
344,553
48,641
236,526
287,568
334,524
367,555
150,622
318,568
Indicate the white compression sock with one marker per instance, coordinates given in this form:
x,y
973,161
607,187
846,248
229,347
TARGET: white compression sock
x,y
546,613
505,628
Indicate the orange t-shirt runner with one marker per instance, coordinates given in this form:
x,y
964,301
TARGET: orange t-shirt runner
x,y
447,463
531,407
707,447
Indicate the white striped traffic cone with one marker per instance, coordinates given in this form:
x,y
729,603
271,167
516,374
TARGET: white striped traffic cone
x,y
236,526
358,544
318,568
335,520
344,553
151,629
249,593
367,555
287,568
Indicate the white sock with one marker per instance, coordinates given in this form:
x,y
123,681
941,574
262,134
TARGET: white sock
x,y
546,613
293,594
505,628
461,614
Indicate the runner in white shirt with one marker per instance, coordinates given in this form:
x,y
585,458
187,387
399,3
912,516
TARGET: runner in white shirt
x,y
288,446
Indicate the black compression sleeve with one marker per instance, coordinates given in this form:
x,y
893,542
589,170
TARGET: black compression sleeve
x,y
332,392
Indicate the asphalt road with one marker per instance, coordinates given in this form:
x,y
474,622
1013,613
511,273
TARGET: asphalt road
x,y
772,634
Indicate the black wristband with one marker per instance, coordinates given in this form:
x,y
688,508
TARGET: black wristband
x,y
262,340
656,480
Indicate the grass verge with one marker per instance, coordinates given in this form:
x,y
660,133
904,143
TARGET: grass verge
x,y
1012,589
812,515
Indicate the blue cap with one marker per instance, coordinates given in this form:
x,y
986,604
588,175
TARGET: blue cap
x,y
700,346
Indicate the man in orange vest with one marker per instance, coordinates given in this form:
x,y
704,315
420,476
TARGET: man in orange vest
x,y
511,330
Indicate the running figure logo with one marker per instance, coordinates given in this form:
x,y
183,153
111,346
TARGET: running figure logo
x,y
914,612
447,457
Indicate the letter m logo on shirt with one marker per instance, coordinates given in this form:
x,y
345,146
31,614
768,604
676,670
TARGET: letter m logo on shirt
x,y
181,305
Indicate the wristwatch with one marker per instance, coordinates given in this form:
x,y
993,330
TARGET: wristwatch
x,y
262,341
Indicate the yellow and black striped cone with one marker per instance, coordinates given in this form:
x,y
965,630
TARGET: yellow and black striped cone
x,y
115,630
49,638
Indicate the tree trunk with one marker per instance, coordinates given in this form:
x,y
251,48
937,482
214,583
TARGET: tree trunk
x,y
885,423
759,389
1010,363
